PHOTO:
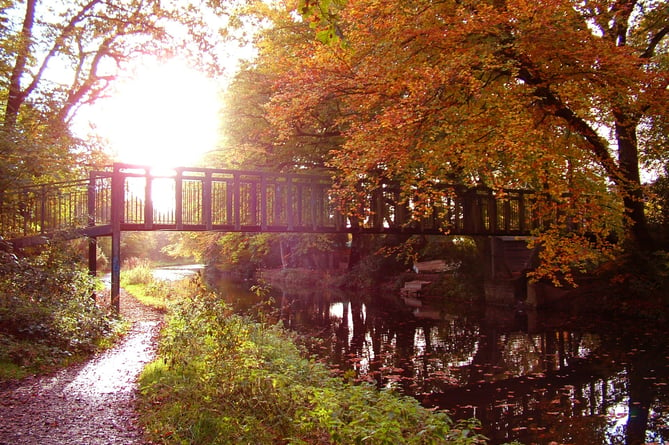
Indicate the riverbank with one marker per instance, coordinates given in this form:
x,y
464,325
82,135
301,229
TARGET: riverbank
x,y
223,378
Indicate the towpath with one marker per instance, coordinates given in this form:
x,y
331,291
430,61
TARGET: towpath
x,y
91,403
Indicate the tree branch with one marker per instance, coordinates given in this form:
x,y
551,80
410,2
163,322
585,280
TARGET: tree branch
x,y
657,38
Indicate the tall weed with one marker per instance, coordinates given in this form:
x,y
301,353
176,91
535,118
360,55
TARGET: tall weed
x,y
136,271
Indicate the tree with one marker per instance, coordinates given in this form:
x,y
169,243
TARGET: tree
x,y
566,98
58,56
255,138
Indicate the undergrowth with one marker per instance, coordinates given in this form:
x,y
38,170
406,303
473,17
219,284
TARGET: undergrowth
x,y
137,278
221,378
48,317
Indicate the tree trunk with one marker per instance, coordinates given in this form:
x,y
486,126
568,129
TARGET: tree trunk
x,y
16,96
633,199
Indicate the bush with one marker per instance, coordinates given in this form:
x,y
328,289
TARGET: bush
x,y
222,378
47,313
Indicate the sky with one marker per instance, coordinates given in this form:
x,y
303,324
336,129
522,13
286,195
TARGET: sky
x,y
166,115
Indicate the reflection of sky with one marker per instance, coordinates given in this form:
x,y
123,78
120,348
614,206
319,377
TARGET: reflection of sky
x,y
439,343
337,310
453,344
366,354
617,416
176,273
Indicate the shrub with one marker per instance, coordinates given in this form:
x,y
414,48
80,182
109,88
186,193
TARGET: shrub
x,y
222,378
47,313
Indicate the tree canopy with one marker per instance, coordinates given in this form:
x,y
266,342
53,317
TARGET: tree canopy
x,y
565,98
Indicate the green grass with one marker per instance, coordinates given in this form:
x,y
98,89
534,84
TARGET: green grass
x,y
220,378
138,280
146,296
11,371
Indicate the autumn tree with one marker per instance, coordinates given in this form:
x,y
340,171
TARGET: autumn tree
x,y
255,138
566,98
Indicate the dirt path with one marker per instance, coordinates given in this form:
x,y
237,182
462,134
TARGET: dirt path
x,y
88,404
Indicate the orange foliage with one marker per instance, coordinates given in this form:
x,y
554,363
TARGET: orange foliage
x,y
549,95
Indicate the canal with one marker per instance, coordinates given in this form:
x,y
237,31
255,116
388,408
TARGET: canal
x,y
536,377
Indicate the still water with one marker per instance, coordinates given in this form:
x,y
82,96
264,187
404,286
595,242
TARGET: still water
x,y
535,377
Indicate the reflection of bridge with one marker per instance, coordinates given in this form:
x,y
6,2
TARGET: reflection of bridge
x,y
134,198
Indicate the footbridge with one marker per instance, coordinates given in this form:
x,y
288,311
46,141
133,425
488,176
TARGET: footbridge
x,y
139,198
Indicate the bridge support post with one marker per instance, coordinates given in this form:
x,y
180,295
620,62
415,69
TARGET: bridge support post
x,y
92,241
116,215
93,259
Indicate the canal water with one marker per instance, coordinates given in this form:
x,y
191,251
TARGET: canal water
x,y
535,377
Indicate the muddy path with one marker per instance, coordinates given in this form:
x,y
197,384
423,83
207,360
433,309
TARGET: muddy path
x,y
90,403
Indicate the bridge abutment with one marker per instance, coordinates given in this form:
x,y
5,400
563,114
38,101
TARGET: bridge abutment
x,y
507,259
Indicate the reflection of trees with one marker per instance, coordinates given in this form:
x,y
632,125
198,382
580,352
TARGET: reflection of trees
x,y
558,384
641,396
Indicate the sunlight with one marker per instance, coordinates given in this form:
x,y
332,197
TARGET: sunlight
x,y
166,115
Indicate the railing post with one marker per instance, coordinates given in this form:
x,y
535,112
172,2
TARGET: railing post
x,y
289,203
299,204
206,201
469,213
178,200
313,189
237,205
521,212
148,200
116,215
253,203
493,222
263,202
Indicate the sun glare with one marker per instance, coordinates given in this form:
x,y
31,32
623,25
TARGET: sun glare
x,y
167,115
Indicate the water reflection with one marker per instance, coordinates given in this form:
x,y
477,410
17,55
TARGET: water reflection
x,y
176,273
531,377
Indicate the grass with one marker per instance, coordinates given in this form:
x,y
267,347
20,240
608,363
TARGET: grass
x,y
146,295
220,378
12,371
137,278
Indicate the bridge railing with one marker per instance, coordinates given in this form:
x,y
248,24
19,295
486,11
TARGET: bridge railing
x,y
232,200
217,199
49,208
455,210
